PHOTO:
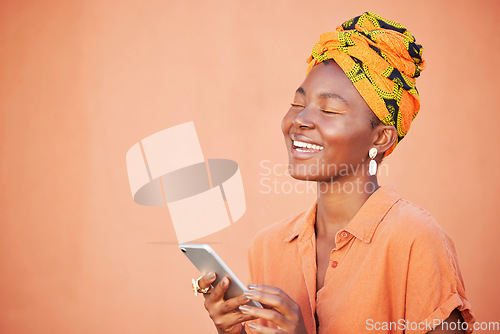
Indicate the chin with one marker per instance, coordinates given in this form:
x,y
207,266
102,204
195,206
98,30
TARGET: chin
x,y
308,177
306,172
301,177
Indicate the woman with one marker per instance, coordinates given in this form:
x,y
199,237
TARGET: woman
x,y
360,259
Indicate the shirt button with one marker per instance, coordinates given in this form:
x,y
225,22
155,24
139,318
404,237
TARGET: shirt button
x,y
334,264
344,235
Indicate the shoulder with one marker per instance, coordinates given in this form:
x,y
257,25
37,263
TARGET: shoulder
x,y
275,236
271,245
416,220
414,226
279,230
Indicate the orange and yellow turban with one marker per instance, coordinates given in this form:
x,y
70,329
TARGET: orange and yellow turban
x,y
382,60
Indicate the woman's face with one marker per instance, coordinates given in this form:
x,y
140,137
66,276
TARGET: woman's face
x,y
329,114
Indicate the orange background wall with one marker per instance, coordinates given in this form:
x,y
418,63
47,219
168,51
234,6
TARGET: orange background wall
x,y
82,81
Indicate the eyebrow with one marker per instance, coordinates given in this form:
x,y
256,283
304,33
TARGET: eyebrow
x,y
326,95
323,95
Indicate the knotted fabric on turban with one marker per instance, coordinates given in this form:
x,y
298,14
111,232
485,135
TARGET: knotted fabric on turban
x,y
382,60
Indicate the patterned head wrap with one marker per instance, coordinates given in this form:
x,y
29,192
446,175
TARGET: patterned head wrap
x,y
382,60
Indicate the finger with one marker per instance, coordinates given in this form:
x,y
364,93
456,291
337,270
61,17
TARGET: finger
x,y
235,318
267,314
273,291
218,292
277,302
264,330
233,304
228,321
206,280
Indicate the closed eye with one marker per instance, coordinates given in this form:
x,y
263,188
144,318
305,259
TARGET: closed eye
x,y
297,105
332,111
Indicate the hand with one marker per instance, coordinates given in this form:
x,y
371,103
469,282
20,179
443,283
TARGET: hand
x,y
280,310
224,313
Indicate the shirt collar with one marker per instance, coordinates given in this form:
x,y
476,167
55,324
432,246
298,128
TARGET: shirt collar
x,y
362,225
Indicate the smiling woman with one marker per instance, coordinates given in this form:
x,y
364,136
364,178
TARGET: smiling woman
x,y
361,259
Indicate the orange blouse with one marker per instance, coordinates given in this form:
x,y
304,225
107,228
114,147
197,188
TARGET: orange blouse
x,y
394,269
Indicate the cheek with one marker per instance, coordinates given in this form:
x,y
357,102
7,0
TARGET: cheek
x,y
286,123
347,142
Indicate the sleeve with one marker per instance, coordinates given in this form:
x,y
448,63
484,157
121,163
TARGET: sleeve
x,y
434,286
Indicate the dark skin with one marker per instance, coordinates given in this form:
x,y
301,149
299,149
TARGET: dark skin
x,y
329,114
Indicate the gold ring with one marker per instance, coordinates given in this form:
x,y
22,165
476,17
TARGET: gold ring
x,y
196,287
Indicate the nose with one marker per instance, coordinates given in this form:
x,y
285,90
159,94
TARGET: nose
x,y
303,119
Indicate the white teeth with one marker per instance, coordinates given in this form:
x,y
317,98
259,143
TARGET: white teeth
x,y
302,144
299,143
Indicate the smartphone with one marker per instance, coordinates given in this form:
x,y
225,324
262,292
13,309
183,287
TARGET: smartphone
x,y
206,260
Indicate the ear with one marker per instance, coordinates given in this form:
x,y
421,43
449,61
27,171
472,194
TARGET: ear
x,y
385,137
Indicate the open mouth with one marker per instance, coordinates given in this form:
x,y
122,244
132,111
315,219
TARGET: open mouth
x,y
301,146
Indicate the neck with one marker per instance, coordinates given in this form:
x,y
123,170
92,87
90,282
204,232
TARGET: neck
x,y
339,201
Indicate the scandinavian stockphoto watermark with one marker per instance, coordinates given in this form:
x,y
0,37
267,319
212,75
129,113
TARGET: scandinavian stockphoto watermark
x,y
277,178
406,325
